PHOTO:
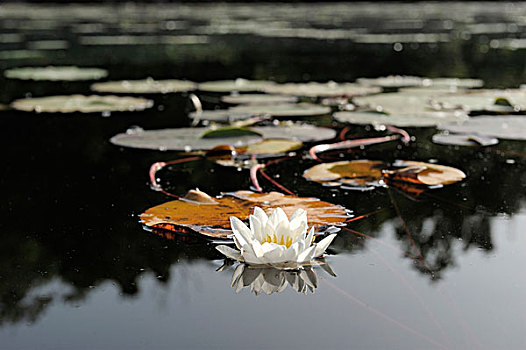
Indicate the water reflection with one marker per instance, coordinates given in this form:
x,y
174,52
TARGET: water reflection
x,y
270,280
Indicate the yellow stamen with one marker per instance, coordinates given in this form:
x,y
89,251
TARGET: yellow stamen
x,y
287,242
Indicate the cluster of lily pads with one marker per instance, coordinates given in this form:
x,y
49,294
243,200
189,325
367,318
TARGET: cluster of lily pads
x,y
257,123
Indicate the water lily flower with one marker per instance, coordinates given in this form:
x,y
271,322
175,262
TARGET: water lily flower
x,y
274,240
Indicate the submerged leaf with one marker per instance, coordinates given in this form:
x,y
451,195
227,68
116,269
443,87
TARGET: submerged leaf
x,y
56,73
80,103
145,86
212,219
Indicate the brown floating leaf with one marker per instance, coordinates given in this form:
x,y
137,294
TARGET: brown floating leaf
x,y
210,216
367,173
424,173
357,173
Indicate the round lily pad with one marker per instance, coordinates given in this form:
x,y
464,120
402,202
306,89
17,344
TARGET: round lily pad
x,y
258,99
464,140
144,86
52,73
284,110
465,83
329,89
299,132
240,85
392,81
181,139
483,100
396,102
80,103
48,45
414,119
503,127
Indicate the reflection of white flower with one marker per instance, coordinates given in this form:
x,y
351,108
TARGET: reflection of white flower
x,y
274,240
270,280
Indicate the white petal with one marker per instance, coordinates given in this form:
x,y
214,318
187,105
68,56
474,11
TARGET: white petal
x,y
274,255
310,236
277,216
241,231
298,231
229,252
300,214
256,227
269,229
282,230
261,215
306,255
323,244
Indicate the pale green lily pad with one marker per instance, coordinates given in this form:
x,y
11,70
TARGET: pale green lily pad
x,y
299,132
461,83
180,139
328,89
392,81
503,127
284,110
420,119
239,85
80,103
20,54
464,140
258,99
59,73
104,40
392,38
228,132
262,149
482,100
145,86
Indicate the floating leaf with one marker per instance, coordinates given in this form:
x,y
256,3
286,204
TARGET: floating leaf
x,y
284,110
483,100
228,132
464,140
80,103
48,45
424,173
503,127
52,73
145,86
300,132
240,85
271,147
328,89
220,115
356,173
392,81
368,174
421,119
258,99
180,139
212,218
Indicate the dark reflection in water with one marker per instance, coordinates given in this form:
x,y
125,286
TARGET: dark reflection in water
x,y
70,199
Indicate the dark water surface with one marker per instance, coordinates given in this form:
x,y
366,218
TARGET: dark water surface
x,y
77,270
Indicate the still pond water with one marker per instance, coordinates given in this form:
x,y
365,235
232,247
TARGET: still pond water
x,y
77,269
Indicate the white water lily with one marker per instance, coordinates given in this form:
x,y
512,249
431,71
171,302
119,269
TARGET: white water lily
x,y
274,240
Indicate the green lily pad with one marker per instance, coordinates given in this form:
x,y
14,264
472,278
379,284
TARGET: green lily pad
x,y
239,85
299,132
392,81
258,99
180,139
145,86
483,100
503,127
392,38
48,45
80,103
329,89
284,110
464,140
420,119
52,73
21,54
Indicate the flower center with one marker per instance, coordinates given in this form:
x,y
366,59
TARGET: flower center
x,y
281,240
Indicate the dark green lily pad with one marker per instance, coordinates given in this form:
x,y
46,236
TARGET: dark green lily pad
x,y
80,103
145,86
328,89
258,99
48,45
464,140
239,85
181,139
52,73
503,127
